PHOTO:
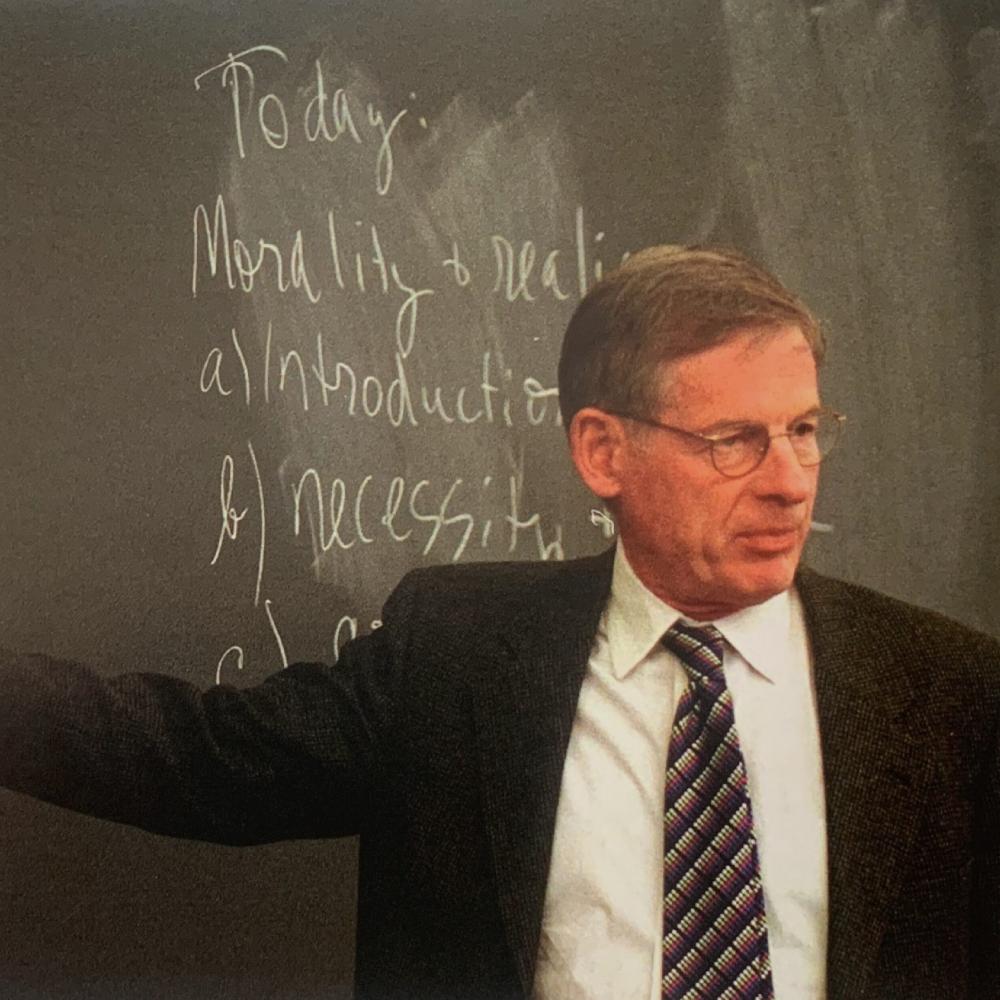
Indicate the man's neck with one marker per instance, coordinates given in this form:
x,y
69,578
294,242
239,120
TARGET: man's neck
x,y
697,610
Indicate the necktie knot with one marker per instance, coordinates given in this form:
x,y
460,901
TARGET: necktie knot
x,y
699,648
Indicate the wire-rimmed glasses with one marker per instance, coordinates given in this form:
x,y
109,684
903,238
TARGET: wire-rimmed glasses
x,y
738,450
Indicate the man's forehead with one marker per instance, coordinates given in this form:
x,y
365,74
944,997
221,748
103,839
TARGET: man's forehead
x,y
752,365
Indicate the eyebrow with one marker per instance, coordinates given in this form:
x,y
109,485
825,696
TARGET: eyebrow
x,y
731,424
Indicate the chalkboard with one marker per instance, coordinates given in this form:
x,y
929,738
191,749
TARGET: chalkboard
x,y
284,288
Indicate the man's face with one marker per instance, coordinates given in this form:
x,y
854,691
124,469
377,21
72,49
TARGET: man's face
x,y
707,544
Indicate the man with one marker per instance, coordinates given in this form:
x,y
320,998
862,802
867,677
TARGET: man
x,y
685,768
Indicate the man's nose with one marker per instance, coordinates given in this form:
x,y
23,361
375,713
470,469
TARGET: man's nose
x,y
781,475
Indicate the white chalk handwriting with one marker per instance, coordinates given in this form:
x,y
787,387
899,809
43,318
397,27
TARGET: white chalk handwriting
x,y
319,379
435,514
328,115
231,519
402,363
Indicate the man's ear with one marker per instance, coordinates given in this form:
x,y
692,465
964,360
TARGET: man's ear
x,y
598,445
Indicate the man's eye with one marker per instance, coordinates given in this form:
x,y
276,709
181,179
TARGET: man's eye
x,y
804,428
734,439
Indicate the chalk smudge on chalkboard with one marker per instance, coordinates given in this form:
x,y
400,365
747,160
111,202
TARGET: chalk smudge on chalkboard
x,y
404,281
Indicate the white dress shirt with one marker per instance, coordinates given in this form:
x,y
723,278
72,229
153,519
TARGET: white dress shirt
x,y
602,923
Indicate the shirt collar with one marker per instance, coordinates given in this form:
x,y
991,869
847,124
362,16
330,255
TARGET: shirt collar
x,y
636,620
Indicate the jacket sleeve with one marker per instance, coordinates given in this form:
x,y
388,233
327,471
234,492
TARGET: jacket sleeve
x,y
297,756
985,944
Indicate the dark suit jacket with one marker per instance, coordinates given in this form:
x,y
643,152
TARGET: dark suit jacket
x,y
441,739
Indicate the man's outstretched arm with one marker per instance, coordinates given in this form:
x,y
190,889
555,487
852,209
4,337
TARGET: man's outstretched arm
x,y
985,944
296,756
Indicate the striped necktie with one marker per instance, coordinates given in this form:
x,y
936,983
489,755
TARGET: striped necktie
x,y
714,927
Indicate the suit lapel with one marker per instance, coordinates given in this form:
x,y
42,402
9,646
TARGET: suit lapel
x,y
876,758
524,712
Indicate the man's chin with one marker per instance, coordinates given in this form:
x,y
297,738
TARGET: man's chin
x,y
766,578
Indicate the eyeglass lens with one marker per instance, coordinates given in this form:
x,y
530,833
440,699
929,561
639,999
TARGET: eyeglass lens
x,y
812,440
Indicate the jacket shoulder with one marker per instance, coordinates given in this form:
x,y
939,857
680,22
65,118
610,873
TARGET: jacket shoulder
x,y
488,589
902,628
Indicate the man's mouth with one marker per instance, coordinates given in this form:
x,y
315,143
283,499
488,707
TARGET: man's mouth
x,y
772,540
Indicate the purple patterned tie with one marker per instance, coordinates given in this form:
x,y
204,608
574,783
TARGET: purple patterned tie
x,y
714,928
